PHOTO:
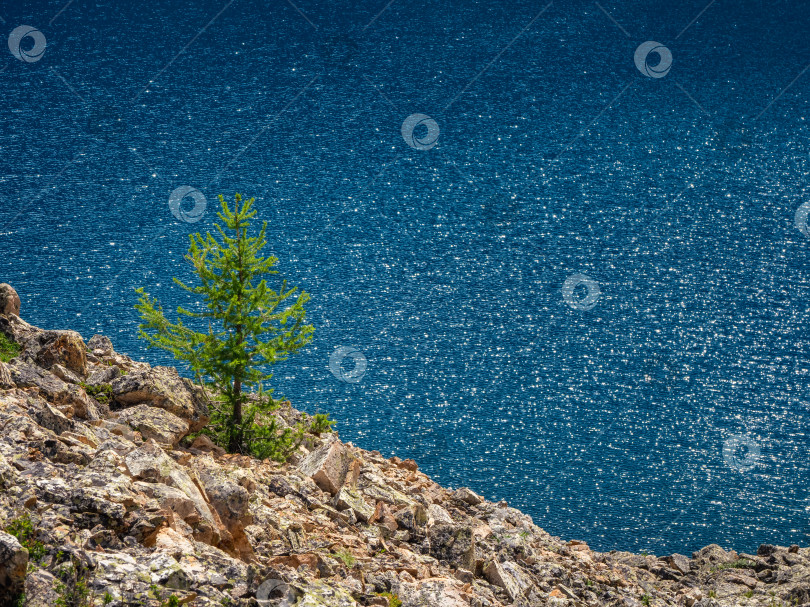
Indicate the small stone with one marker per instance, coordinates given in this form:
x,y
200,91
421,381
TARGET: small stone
x,y
204,443
742,580
793,549
466,495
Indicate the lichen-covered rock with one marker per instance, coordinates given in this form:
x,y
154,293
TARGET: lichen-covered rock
x,y
351,499
230,500
432,593
63,347
40,589
161,425
508,576
9,300
103,374
150,463
49,417
328,465
466,495
319,594
162,387
13,564
6,381
100,345
453,543
70,398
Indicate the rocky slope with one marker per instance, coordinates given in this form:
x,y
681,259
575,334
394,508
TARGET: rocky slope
x,y
105,506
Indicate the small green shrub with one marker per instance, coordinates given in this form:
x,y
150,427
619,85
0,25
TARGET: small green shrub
x,y
645,599
101,392
73,586
712,594
108,598
8,349
749,594
172,601
393,599
23,530
321,423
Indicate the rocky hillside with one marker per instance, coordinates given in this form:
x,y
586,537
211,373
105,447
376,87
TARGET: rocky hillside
x,y
103,505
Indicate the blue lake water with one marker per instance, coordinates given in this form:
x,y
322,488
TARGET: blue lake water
x,y
664,412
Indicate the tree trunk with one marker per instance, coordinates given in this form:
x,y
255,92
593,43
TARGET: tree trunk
x,y
236,437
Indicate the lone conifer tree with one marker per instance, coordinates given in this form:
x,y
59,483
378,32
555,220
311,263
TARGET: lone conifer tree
x,y
250,326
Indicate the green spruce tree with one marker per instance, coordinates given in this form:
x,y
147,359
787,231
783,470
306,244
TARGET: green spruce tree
x,y
250,327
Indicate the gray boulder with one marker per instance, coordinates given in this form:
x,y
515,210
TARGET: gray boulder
x,y
163,387
161,425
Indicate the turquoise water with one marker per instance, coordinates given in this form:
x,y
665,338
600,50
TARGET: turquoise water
x,y
664,412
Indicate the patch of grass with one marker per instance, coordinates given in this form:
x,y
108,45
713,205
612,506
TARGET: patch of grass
x,y
749,594
712,594
172,601
23,530
645,599
738,564
393,599
8,349
347,558
101,392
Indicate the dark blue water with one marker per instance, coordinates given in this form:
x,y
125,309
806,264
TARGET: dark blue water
x,y
667,411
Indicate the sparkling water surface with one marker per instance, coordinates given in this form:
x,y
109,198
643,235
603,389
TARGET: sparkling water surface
x,y
666,412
